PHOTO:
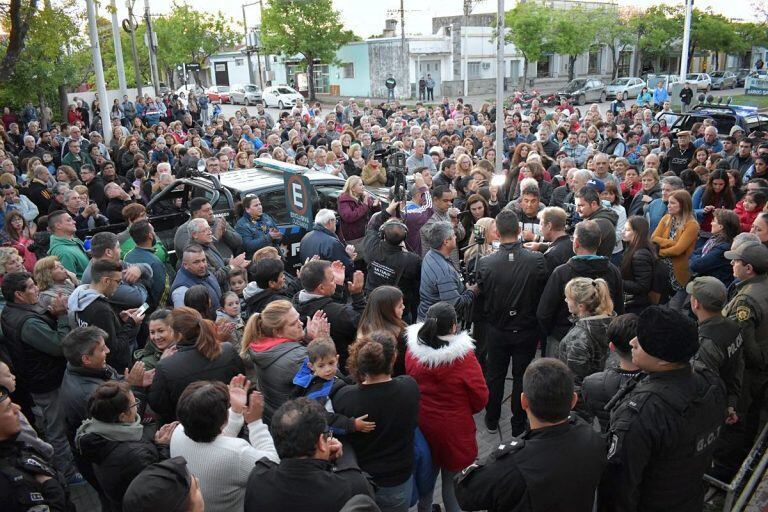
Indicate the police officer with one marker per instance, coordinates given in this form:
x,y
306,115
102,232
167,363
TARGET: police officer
x,y
720,340
306,478
27,482
389,262
663,425
535,472
513,278
749,309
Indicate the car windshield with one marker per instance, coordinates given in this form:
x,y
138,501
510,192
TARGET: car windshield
x,y
717,74
223,88
285,90
692,77
575,85
620,81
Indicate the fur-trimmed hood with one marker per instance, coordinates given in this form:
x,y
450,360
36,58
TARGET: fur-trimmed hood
x,y
459,345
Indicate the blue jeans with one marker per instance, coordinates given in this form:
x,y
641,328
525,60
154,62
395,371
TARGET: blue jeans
x,y
395,499
450,504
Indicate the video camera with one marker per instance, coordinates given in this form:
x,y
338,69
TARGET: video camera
x,y
393,161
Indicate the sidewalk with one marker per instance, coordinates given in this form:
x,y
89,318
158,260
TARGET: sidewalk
x,y
476,101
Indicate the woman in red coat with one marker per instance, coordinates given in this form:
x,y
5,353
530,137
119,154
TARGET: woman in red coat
x,y
452,386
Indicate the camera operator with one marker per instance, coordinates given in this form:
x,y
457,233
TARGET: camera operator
x,y
388,260
440,281
515,278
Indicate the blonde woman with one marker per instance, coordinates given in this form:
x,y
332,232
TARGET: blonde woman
x,y
53,280
355,206
10,262
487,226
585,348
676,237
273,344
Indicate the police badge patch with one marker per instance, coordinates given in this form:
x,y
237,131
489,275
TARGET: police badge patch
x,y
742,313
614,445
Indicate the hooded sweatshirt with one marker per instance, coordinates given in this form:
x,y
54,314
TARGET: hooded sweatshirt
x,y
71,253
87,307
277,361
607,220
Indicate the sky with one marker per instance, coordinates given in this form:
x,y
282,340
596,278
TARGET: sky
x,y
366,18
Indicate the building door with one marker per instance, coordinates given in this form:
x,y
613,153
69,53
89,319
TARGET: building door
x,y
430,67
221,69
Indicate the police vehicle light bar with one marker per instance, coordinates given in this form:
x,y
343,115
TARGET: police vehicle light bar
x,y
276,166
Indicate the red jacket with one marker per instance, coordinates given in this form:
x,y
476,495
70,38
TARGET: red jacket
x,y
452,390
745,218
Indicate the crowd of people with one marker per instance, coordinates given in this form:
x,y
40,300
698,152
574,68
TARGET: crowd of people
x,y
619,269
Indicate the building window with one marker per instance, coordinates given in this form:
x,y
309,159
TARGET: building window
x,y
322,82
625,58
595,56
473,69
348,70
543,65
238,62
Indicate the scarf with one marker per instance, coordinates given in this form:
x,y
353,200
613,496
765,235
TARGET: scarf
x,y
112,431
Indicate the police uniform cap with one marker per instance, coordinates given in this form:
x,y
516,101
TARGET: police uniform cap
x,y
667,334
752,253
709,291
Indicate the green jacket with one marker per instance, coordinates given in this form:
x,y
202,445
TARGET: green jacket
x,y
149,355
71,253
77,162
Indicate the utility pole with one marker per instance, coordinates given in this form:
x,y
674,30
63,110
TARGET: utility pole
x,y
118,52
129,26
98,66
248,46
406,71
499,86
152,49
686,40
464,52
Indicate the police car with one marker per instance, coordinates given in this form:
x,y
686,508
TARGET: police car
x,y
724,117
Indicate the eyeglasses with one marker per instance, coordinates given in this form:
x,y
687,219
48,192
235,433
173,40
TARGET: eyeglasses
x,y
118,281
135,404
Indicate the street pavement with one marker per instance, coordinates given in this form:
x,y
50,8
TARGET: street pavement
x,y
476,101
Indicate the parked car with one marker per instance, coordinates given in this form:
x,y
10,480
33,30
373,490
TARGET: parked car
x,y
741,77
189,88
723,80
583,90
248,94
699,81
624,88
218,94
280,96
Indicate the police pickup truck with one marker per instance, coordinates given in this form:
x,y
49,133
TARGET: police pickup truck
x,y
225,191
723,116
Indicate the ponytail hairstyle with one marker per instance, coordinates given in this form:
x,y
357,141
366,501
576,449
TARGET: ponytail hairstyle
x,y
265,324
372,354
439,322
195,330
197,297
594,294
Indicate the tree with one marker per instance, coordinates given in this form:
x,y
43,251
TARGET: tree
x,y
190,36
616,34
574,33
50,58
311,29
17,15
528,25
711,32
655,30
